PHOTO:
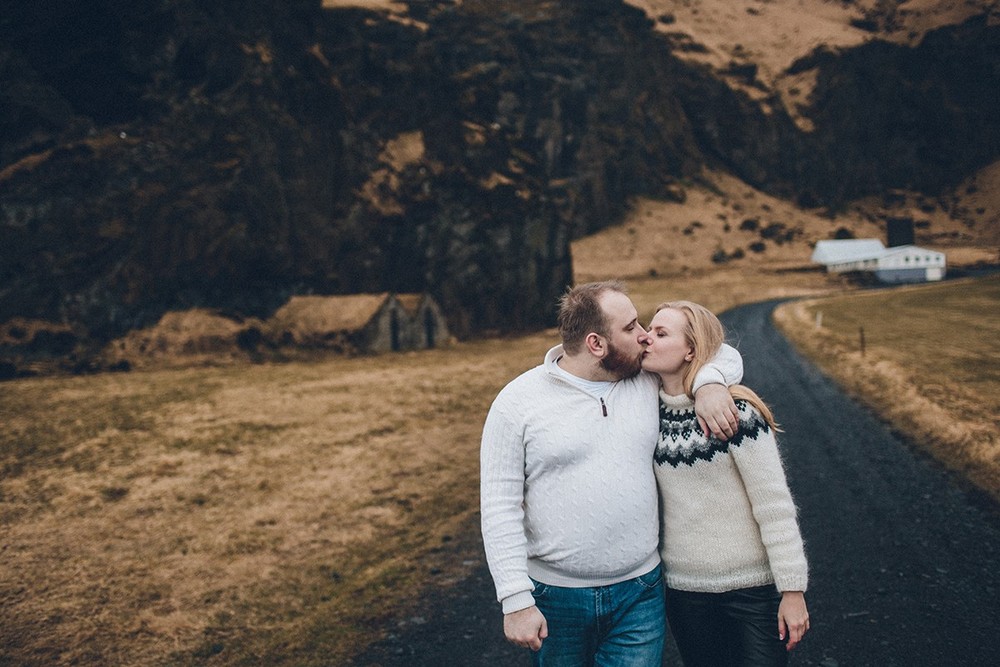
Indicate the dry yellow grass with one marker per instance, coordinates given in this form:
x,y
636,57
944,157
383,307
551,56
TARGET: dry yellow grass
x,y
263,514
258,513
930,364
267,514
287,513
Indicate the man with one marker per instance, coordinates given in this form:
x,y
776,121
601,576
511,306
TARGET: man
x,y
569,501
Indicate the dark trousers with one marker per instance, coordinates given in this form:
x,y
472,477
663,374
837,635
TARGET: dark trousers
x,y
733,629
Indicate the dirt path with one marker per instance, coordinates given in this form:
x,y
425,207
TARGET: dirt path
x,y
905,562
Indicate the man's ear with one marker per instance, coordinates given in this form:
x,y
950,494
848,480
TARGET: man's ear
x,y
596,344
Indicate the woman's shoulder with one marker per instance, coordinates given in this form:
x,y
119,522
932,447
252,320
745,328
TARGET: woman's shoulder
x,y
744,397
752,420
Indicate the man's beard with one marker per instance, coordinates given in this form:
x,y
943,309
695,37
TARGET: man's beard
x,y
620,364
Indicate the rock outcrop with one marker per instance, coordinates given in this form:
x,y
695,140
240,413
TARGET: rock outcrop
x,y
228,155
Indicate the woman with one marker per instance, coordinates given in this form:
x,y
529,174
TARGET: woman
x,y
735,566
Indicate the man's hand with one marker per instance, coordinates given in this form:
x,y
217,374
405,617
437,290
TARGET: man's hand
x,y
526,628
793,617
716,411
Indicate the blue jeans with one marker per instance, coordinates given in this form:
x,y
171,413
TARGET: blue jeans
x,y
622,625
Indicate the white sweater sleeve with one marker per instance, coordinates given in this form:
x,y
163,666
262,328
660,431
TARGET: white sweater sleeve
x,y
726,367
502,508
759,464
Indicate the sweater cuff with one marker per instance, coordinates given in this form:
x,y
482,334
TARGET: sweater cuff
x,y
793,583
517,602
707,375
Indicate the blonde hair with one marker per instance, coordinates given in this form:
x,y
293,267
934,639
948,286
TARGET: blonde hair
x,y
705,335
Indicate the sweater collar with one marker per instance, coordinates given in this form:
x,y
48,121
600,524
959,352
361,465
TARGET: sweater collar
x,y
551,357
681,402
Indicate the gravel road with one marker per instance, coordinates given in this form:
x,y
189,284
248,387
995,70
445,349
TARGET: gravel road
x,y
904,559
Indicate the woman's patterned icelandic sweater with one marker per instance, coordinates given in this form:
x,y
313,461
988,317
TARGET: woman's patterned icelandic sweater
x,y
728,519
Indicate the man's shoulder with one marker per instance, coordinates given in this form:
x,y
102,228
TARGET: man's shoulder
x,y
528,387
526,380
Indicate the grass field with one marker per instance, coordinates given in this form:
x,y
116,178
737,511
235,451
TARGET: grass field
x,y
289,514
930,364
272,514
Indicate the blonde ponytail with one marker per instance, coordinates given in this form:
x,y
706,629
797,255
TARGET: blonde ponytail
x,y
747,394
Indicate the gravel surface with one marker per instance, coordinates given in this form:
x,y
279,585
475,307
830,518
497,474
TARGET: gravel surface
x,y
904,558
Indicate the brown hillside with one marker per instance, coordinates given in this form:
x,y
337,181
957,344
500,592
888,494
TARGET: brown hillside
x,y
728,243
765,37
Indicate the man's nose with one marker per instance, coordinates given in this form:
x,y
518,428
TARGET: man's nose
x,y
644,338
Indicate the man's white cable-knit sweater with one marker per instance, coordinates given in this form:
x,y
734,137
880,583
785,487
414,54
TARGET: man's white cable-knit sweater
x,y
729,521
568,494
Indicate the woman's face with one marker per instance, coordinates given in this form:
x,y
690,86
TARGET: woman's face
x,y
668,352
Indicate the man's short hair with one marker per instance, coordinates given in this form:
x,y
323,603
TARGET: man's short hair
x,y
580,313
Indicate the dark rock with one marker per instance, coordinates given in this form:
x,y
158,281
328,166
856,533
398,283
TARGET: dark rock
x,y
231,154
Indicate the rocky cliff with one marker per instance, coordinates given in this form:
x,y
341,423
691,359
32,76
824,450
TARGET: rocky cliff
x,y
166,154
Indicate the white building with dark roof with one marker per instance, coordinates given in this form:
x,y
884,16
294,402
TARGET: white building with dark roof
x,y
902,264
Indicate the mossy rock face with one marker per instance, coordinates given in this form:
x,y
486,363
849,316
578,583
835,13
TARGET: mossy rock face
x,y
230,155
